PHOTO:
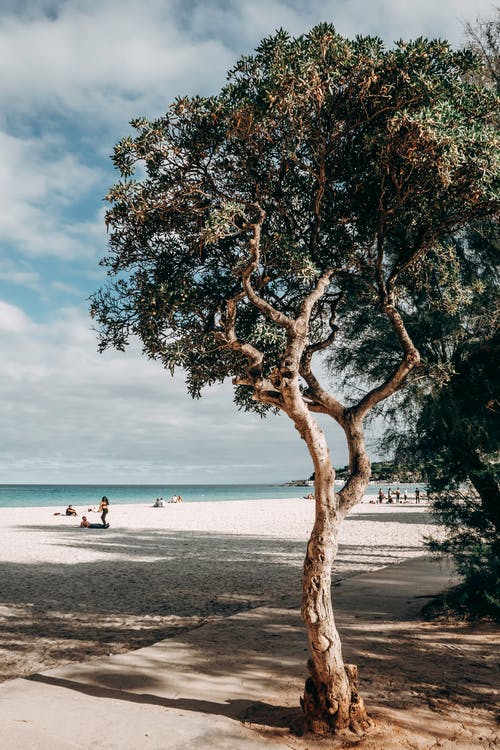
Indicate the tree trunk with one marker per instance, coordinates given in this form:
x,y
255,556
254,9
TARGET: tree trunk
x,y
331,701
486,485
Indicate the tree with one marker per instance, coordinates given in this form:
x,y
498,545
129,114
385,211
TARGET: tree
x,y
484,40
459,433
312,185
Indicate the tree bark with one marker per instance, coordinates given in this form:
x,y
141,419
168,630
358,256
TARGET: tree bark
x,y
486,485
331,702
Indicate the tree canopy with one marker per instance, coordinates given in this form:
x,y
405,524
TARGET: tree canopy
x,y
349,160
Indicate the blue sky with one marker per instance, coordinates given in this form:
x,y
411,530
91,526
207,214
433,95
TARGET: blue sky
x,y
74,73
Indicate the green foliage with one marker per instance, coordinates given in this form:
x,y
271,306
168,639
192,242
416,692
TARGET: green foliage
x,y
455,435
472,539
388,471
449,301
360,158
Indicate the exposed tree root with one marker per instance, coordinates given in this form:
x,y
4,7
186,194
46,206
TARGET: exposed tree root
x,y
325,715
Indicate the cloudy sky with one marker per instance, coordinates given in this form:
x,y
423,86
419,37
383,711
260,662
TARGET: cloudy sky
x,y
74,72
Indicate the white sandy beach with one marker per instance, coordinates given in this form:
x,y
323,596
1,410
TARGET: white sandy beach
x,y
68,593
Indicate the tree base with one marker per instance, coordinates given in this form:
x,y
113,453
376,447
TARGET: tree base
x,y
322,717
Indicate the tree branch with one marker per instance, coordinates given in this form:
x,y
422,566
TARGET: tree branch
x,y
321,401
261,304
311,299
411,356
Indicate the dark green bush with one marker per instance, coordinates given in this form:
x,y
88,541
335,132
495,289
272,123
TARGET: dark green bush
x,y
472,541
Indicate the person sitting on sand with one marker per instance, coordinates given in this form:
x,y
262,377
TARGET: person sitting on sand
x,y
70,511
85,524
159,503
310,496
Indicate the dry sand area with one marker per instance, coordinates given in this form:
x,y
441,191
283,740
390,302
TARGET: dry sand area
x,y
225,578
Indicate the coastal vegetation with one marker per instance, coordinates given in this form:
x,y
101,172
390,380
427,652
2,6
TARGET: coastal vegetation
x,y
443,428
447,425
288,221
458,430
389,471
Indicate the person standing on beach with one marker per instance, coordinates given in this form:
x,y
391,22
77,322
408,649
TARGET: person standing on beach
x,y
104,509
417,495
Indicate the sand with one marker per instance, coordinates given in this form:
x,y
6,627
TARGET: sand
x,y
184,572
68,592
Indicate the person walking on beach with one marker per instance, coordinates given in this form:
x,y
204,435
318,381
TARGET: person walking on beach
x,y
417,495
381,495
405,496
398,494
103,510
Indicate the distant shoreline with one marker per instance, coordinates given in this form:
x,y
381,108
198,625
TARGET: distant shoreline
x,y
47,495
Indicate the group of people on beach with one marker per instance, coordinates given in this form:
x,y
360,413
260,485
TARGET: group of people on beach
x,y
397,497
160,502
391,497
103,509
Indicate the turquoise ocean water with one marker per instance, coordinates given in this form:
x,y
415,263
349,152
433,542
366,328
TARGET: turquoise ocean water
x,y
46,495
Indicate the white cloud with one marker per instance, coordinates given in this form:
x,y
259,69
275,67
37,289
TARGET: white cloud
x,y
19,273
65,408
13,319
52,169
39,179
99,59
60,286
108,61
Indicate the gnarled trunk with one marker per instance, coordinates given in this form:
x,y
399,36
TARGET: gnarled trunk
x,y
331,701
